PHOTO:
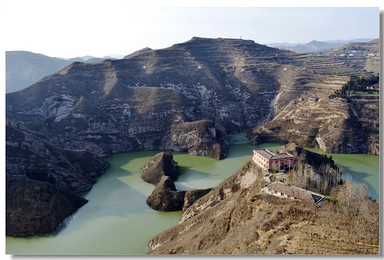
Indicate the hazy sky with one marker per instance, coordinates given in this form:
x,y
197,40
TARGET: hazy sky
x,y
80,27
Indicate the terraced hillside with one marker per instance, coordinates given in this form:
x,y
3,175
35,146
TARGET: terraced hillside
x,y
366,109
188,97
363,56
138,103
334,125
357,59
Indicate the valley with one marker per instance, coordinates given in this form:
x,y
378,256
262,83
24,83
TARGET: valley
x,y
116,205
193,98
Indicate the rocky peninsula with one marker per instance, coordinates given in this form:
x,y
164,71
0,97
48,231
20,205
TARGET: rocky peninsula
x,y
162,171
237,218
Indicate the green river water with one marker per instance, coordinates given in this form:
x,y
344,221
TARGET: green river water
x,y
117,220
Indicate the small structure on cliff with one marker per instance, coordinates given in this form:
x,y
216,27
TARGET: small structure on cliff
x,y
271,161
313,98
282,190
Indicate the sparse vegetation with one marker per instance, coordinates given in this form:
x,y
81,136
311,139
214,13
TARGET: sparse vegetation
x,y
356,84
350,200
248,222
320,175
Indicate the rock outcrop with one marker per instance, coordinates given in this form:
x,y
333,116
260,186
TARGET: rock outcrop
x,y
68,170
165,197
191,196
203,138
160,165
35,207
366,111
39,179
162,171
183,98
333,125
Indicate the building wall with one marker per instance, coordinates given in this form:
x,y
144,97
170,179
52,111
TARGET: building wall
x,y
272,164
277,163
261,160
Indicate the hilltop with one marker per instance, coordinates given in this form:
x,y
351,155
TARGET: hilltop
x,y
315,46
25,68
236,218
235,84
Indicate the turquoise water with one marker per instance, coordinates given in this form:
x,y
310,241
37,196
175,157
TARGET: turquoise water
x,y
361,168
117,220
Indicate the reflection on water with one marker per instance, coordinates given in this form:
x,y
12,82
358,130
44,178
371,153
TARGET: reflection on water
x,y
117,220
361,168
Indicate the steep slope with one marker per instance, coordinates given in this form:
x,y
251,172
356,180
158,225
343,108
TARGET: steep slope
x,y
68,170
235,218
185,98
366,109
354,59
134,104
24,68
102,115
40,177
316,119
34,207
364,56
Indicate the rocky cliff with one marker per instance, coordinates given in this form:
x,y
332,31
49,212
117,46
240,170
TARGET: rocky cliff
x,y
34,207
165,197
68,170
187,97
40,177
366,111
308,116
235,218
162,171
335,125
160,165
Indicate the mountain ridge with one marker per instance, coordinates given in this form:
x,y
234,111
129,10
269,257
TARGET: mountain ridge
x,y
315,45
189,97
24,68
237,84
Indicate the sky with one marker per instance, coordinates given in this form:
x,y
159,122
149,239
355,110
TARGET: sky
x,y
99,28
